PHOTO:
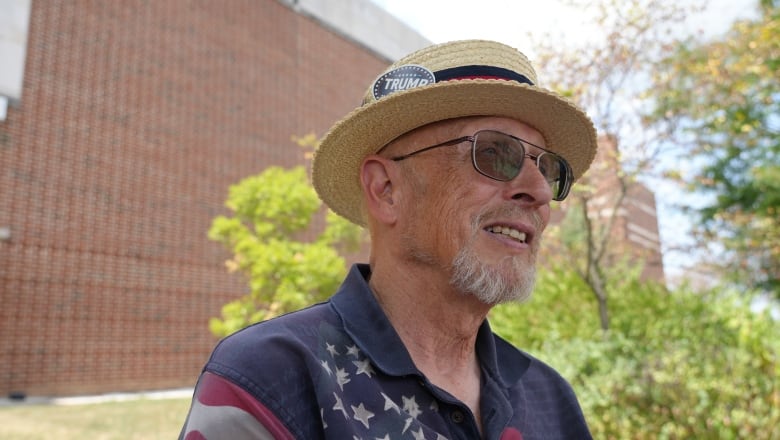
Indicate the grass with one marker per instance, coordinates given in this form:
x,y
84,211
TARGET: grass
x,y
136,419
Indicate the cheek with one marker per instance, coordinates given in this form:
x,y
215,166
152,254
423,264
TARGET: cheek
x,y
544,216
445,202
453,208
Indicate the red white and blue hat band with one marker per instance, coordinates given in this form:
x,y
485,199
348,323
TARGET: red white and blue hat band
x,y
411,76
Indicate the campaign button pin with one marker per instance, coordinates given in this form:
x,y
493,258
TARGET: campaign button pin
x,y
405,77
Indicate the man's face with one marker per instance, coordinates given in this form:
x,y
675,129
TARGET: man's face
x,y
484,233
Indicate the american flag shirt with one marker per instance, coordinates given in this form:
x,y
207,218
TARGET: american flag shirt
x,y
338,370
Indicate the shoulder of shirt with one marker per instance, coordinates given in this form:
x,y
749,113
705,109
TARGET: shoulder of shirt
x,y
281,323
516,365
286,337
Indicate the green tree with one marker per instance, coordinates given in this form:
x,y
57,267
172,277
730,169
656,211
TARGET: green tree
x,y
272,214
721,100
606,75
674,364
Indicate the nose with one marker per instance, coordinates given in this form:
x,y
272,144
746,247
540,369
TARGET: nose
x,y
530,187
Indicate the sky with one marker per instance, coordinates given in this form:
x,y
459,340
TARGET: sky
x,y
511,21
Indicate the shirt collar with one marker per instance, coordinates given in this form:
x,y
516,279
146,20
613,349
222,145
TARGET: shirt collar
x,y
366,323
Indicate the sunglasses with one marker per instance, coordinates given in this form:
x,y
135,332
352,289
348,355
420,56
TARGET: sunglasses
x,y
500,156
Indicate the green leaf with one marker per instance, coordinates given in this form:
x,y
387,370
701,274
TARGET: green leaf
x,y
286,268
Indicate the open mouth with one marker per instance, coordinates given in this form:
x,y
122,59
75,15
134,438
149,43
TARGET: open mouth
x,y
507,231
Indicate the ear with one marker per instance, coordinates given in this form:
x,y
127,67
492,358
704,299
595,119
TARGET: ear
x,y
378,176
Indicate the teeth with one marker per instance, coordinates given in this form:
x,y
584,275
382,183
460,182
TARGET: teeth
x,y
514,233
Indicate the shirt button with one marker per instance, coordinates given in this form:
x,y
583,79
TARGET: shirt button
x,y
457,416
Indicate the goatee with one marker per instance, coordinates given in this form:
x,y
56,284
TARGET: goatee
x,y
511,280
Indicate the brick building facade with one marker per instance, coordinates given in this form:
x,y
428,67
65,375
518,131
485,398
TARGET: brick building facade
x,y
135,117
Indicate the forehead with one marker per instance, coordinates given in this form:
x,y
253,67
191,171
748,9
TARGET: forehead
x,y
454,128
504,125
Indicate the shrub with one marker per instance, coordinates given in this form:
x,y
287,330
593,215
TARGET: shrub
x,y
673,365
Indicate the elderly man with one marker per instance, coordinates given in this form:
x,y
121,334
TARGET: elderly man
x,y
451,163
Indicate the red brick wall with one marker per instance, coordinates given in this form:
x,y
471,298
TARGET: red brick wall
x,y
634,234
135,118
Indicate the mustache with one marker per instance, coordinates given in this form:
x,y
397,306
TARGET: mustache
x,y
509,211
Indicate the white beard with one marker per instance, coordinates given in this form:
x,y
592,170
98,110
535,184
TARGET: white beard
x,y
472,276
495,284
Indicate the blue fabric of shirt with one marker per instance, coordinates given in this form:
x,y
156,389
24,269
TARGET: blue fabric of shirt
x,y
339,370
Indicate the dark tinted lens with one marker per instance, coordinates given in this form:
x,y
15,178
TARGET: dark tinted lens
x,y
557,172
500,156
554,171
497,155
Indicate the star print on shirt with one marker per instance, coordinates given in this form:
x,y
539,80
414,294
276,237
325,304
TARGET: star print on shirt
x,y
339,406
362,414
419,435
364,367
407,424
342,377
352,350
411,407
352,379
389,404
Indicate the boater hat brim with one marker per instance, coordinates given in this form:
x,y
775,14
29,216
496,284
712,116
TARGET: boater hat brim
x,y
567,130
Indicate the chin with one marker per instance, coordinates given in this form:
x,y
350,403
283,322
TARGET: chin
x,y
510,280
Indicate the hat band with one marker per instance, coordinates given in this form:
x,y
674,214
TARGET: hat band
x,y
480,72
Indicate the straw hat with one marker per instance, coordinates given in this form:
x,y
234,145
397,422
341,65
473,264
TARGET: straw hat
x,y
450,80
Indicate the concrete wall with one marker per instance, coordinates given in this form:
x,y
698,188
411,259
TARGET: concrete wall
x,y
14,22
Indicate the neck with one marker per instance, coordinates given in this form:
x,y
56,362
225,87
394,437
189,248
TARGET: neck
x,y
427,312
437,325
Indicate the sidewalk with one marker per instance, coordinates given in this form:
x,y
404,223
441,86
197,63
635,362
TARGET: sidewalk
x,y
181,393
